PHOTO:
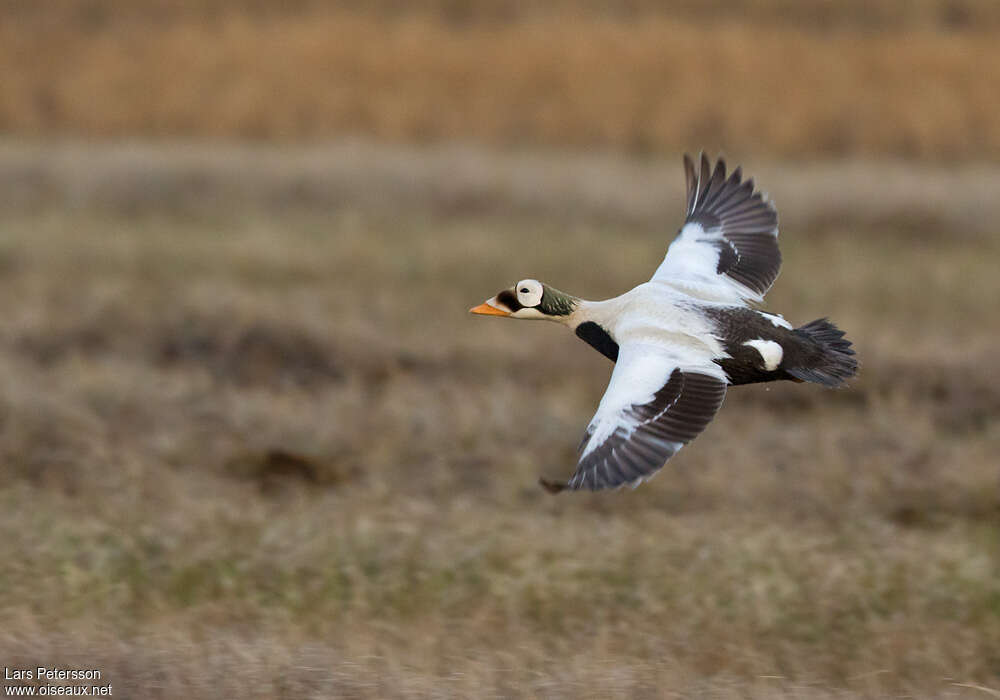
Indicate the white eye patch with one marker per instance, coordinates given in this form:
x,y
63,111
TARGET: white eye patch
x,y
529,292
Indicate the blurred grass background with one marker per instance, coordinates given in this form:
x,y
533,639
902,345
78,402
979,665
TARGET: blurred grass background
x,y
252,444
810,78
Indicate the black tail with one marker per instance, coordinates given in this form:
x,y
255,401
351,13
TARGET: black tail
x,y
833,363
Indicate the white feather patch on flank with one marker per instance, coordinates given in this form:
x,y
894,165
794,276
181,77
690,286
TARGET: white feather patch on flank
x,y
777,320
769,351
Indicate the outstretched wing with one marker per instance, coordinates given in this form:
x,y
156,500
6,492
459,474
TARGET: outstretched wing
x,y
655,404
727,249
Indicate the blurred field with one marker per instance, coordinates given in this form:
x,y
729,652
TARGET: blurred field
x,y
252,444
765,77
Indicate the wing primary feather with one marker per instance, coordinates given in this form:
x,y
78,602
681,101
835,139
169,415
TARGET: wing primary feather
x,y
716,185
703,178
614,472
692,183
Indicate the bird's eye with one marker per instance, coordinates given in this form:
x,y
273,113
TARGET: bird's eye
x,y
529,292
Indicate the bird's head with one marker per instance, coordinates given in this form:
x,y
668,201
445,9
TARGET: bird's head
x,y
529,299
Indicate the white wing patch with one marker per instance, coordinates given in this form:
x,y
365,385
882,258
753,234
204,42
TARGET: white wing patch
x,y
691,264
770,352
637,375
777,319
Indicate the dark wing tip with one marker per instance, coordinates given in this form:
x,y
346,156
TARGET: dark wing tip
x,y
705,181
737,175
691,180
706,173
552,487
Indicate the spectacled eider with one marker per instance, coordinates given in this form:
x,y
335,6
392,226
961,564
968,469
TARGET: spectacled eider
x,y
680,339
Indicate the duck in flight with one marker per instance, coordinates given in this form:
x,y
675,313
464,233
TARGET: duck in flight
x,y
681,338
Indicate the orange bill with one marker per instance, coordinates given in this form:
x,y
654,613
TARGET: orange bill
x,y
487,310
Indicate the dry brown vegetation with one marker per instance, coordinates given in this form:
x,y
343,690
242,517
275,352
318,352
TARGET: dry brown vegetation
x,y
915,79
252,445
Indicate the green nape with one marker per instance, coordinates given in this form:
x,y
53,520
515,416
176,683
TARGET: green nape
x,y
556,303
